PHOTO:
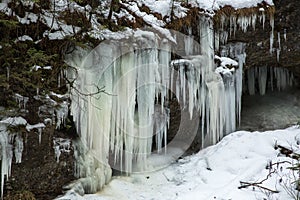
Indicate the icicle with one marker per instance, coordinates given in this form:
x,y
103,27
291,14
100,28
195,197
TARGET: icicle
x,y
232,24
217,41
40,134
239,83
278,39
60,146
272,33
279,46
188,42
39,127
284,34
244,22
277,54
62,114
6,157
18,148
19,99
282,76
121,126
223,37
262,79
253,20
215,116
262,17
251,81
25,101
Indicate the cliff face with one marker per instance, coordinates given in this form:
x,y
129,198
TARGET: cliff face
x,y
287,17
286,48
40,173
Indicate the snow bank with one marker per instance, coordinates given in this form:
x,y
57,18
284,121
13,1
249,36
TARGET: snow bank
x,y
213,173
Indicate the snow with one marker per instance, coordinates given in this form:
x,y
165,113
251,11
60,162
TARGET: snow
x,y
24,38
39,127
213,173
148,18
29,18
225,61
164,6
14,121
35,126
37,67
216,4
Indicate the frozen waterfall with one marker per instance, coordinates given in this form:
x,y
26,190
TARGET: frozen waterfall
x,y
120,96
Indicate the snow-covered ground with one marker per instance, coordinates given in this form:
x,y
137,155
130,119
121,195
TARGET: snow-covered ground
x,y
214,172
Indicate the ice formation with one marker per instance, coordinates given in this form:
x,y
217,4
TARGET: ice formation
x,y
8,142
61,145
18,148
268,78
231,22
6,156
39,127
21,100
116,128
62,114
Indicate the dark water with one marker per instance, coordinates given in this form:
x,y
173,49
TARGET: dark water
x,y
274,110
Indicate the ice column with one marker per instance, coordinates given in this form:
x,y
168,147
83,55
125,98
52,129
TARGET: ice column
x,y
274,77
6,156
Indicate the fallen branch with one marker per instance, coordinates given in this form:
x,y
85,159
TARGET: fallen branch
x,y
258,184
288,152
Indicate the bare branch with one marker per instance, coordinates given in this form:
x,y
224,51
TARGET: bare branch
x,y
258,184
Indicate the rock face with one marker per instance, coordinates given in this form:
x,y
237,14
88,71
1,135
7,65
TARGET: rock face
x,y
287,17
286,39
39,172
40,175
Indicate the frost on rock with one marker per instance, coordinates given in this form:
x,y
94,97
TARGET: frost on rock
x,y
268,78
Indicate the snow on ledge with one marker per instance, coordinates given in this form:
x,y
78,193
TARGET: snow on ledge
x,y
14,121
164,7
237,4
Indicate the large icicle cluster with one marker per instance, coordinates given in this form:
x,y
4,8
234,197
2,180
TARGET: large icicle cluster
x,y
117,127
261,79
230,20
10,143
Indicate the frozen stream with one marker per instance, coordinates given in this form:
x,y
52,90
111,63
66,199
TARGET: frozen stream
x,y
274,110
